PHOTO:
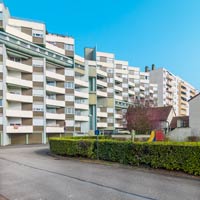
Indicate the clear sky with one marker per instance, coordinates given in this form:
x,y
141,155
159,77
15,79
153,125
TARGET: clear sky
x,y
163,32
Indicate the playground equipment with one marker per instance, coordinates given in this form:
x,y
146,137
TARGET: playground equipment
x,y
156,135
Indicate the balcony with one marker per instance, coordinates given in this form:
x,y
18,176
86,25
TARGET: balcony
x,y
19,98
142,88
118,88
102,83
102,125
117,125
55,76
83,95
101,73
131,92
81,106
18,82
101,114
131,84
55,103
118,79
102,94
118,116
81,83
19,129
117,97
19,66
55,89
54,129
81,118
19,113
144,81
55,116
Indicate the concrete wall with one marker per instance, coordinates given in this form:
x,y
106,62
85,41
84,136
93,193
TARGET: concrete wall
x,y
156,77
195,114
182,134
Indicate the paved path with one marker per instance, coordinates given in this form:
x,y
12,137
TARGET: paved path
x,y
29,173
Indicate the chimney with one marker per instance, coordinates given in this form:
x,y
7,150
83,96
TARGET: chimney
x,y
146,69
153,67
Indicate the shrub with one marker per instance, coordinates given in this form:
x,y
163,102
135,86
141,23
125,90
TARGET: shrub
x,y
183,156
193,138
72,147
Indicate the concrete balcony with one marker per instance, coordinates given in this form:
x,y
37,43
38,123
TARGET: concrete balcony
x,y
80,118
55,76
19,82
142,88
55,116
142,95
117,125
82,95
118,116
102,124
19,129
102,83
55,103
117,97
101,114
55,89
118,88
131,92
131,84
19,98
144,81
18,66
54,129
81,83
81,106
19,113
101,73
102,94
118,79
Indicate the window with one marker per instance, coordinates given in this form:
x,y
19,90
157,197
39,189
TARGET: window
x,y
1,102
38,122
52,83
38,34
52,96
69,72
92,84
69,110
69,97
110,120
38,77
109,60
51,110
38,93
69,85
15,59
38,107
69,47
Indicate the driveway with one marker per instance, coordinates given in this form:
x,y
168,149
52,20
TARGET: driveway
x,y
30,173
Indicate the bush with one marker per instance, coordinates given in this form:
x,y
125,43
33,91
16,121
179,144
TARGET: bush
x,y
72,147
167,155
193,139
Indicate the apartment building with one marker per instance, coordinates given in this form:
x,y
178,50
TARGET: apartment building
x,y
172,90
113,85
36,73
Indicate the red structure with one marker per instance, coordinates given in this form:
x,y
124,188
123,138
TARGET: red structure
x,y
159,135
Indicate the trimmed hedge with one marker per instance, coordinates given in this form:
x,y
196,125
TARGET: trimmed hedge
x,y
166,155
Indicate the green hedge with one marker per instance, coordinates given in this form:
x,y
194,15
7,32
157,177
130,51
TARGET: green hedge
x,y
72,147
172,156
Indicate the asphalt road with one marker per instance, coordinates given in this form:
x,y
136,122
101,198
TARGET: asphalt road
x,y
30,173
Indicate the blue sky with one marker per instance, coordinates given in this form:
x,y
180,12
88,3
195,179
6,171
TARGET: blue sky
x,y
163,32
